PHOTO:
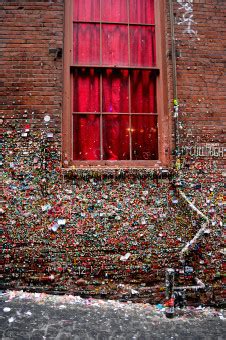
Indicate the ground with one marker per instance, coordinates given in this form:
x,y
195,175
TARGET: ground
x,y
40,316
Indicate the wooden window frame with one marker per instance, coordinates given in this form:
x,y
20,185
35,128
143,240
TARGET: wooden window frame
x,y
164,122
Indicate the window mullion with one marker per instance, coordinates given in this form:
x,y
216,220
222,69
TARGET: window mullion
x,y
129,88
128,32
101,86
130,121
100,34
101,116
113,23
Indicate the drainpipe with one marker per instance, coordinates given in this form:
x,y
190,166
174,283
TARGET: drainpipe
x,y
170,288
174,67
190,244
199,284
200,231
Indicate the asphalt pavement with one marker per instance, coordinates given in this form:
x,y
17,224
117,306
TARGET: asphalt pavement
x,y
37,316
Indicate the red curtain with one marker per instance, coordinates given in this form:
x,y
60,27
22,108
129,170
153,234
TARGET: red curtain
x,y
86,127
86,42
86,10
144,127
107,90
142,11
86,130
115,90
142,43
116,137
143,92
114,10
116,126
144,137
86,96
115,44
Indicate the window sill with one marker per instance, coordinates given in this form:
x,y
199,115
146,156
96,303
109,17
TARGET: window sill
x,y
153,164
116,169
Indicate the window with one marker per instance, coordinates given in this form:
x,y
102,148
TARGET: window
x,y
113,83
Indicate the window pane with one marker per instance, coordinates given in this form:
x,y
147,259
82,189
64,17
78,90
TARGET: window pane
x,y
144,137
142,46
115,44
115,91
86,96
86,10
116,137
143,92
114,10
142,11
86,137
86,44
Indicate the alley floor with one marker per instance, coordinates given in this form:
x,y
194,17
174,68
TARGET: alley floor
x,y
37,316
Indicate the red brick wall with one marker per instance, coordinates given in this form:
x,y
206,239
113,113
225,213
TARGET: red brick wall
x,y
37,194
200,41
30,76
